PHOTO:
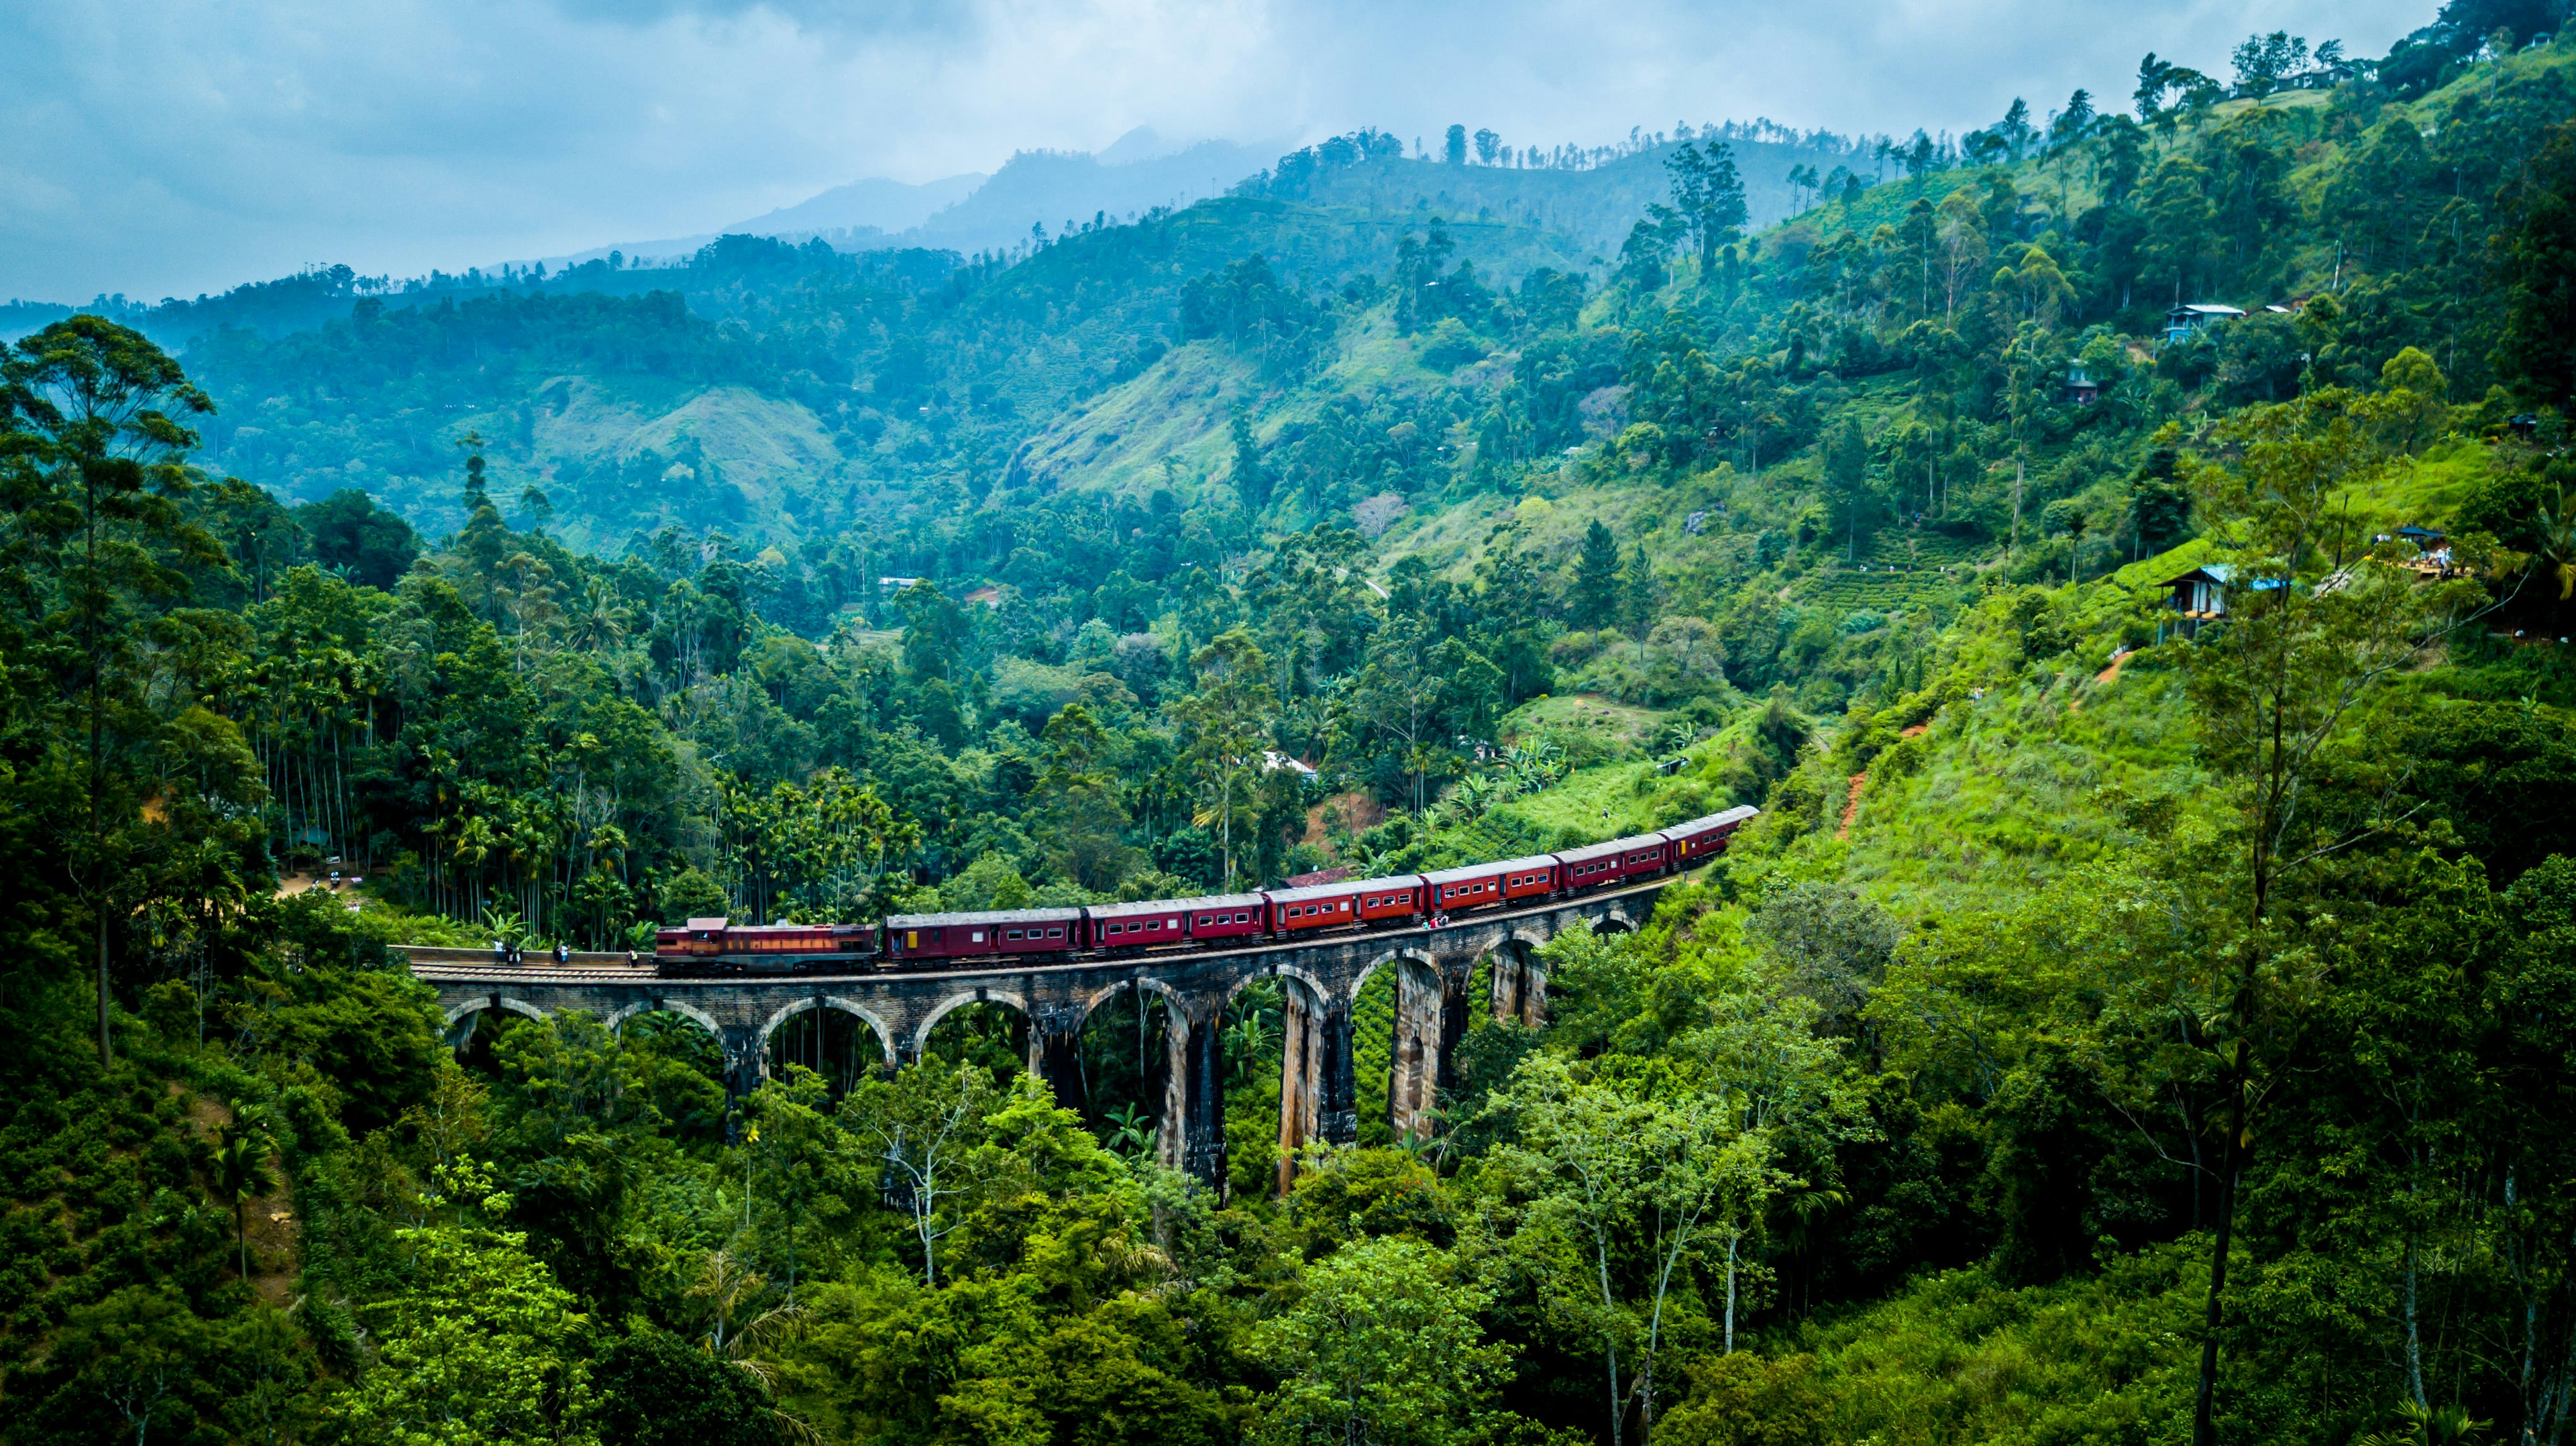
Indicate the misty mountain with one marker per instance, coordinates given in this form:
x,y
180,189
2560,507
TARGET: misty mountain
x,y
975,212
1064,190
876,204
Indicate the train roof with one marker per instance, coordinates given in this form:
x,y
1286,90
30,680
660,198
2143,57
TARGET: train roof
x,y
1478,871
1006,916
796,928
1735,815
1611,849
1159,906
1346,886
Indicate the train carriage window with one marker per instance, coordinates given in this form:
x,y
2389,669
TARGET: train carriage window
x,y
976,937
1015,933
1055,933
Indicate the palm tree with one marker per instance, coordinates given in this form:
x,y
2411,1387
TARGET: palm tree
x,y
729,1287
241,1173
598,620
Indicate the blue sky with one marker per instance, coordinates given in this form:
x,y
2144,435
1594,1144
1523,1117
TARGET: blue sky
x,y
168,147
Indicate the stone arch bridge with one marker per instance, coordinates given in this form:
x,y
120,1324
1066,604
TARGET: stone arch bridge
x,y
1322,977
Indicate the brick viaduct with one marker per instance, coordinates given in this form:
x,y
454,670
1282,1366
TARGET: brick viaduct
x,y
1322,977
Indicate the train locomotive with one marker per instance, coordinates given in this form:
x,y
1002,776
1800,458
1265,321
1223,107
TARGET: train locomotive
x,y
1037,936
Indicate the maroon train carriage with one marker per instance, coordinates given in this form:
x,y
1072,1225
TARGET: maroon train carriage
x,y
1138,925
1318,906
1596,865
1706,838
1398,898
1210,919
1645,855
1530,878
720,945
1218,918
1474,885
1588,867
1343,905
966,936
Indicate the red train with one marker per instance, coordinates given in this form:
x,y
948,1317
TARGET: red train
x,y
720,945
1214,921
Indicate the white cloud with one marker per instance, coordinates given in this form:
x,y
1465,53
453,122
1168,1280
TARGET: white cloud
x,y
173,146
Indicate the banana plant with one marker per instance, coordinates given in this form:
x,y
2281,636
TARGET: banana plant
x,y
1130,1130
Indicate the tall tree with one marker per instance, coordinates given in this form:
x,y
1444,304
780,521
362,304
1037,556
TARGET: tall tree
x,y
1594,596
93,460
1708,196
1227,723
2274,689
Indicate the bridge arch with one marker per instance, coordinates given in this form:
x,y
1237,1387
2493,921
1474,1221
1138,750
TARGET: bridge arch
x,y
1010,998
886,1040
1398,956
1092,1001
480,1003
686,1011
1289,972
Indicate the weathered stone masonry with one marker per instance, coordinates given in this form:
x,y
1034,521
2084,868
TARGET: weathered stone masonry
x,y
1318,1093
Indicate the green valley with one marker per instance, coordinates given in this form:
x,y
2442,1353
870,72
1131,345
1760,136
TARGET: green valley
x,y
2139,1012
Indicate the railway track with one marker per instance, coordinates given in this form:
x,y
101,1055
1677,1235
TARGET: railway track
x,y
613,969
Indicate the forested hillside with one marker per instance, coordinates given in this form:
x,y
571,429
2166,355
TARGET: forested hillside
x,y
2117,1027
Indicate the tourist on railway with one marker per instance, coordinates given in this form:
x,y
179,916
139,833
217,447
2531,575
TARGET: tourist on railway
x,y
563,952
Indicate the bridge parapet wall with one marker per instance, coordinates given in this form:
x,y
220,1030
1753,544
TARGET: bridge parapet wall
x,y
1318,1087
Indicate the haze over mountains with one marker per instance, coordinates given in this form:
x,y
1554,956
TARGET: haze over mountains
x,y
975,211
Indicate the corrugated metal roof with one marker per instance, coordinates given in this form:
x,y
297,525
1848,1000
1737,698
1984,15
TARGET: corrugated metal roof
x,y
1478,871
1737,814
1009,916
1612,849
1142,907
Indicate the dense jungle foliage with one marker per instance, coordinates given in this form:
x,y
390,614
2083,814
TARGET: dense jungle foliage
x,y
2105,1034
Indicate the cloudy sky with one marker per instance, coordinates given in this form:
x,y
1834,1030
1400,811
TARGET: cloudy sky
x,y
168,147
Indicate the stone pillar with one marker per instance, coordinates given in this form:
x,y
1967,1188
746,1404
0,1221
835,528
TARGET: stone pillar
x,y
1055,1052
1171,1123
1203,1154
1337,1081
1301,1077
1453,1023
1506,984
1191,1137
1414,1064
746,1053
1520,985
